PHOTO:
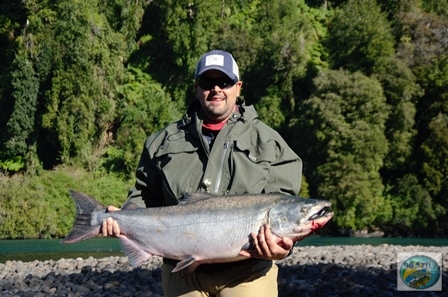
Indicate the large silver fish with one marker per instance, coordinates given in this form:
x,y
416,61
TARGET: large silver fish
x,y
202,228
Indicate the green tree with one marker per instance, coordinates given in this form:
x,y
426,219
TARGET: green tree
x,y
12,22
12,27
402,93
144,108
21,122
439,7
343,140
172,37
273,43
284,44
433,150
423,47
411,208
359,37
77,59
80,106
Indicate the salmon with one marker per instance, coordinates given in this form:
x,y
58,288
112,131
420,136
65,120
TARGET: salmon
x,y
202,228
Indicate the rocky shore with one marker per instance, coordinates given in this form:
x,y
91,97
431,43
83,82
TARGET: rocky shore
x,y
360,270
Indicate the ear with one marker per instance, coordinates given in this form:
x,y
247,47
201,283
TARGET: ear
x,y
196,87
239,84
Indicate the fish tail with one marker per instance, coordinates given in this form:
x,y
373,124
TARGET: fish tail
x,y
82,228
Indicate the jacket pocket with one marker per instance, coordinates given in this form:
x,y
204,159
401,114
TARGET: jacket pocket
x,y
180,167
251,167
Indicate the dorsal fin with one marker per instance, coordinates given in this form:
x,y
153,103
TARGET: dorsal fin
x,y
194,197
130,206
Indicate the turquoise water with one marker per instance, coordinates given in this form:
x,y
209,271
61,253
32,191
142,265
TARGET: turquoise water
x,y
46,249
321,241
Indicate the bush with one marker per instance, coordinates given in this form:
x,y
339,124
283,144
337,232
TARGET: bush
x,y
40,206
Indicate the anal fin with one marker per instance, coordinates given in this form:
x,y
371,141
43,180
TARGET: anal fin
x,y
190,262
135,254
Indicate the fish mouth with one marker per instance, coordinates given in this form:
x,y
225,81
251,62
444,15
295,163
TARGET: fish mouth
x,y
324,211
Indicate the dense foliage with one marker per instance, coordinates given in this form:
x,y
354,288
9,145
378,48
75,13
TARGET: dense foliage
x,y
40,206
358,88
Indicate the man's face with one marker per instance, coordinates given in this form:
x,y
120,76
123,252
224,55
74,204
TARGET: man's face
x,y
217,95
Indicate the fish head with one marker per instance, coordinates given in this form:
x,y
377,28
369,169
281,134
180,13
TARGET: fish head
x,y
299,218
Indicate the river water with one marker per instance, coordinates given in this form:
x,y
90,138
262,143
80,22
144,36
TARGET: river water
x,y
46,249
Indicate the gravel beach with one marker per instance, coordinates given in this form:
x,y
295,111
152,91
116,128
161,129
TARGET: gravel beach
x,y
358,270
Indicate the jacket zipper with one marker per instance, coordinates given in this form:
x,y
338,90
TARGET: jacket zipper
x,y
221,165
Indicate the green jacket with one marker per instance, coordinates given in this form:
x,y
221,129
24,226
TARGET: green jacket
x,y
247,157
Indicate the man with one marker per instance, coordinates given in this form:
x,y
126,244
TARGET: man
x,y
219,147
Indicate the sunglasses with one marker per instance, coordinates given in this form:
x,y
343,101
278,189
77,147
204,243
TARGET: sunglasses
x,y
208,83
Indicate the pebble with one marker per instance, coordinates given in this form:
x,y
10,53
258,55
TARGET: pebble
x,y
324,271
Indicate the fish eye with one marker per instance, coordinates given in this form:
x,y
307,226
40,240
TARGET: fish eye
x,y
303,210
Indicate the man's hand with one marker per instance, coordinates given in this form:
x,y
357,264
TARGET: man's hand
x,y
268,246
110,226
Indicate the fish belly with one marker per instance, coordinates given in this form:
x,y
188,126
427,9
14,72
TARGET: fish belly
x,y
198,235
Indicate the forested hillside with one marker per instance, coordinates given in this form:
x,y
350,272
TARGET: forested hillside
x,y
358,88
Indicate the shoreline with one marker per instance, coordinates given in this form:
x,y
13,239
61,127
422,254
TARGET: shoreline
x,y
339,270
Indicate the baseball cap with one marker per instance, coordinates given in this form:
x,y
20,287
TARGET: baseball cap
x,y
219,60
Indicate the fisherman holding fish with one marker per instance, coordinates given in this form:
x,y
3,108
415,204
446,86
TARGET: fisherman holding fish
x,y
219,147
